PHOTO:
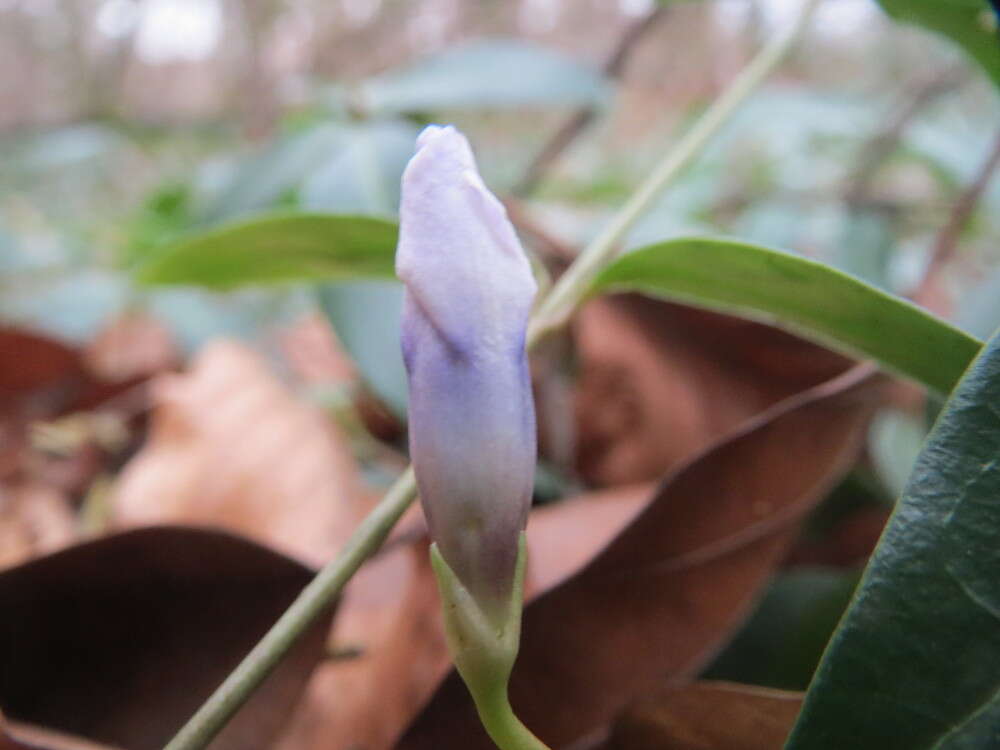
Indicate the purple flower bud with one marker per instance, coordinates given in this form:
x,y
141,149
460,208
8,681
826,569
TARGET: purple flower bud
x,y
469,290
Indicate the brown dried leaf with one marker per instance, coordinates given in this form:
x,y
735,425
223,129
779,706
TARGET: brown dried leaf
x,y
663,596
120,640
707,716
660,382
563,536
34,520
314,353
41,379
132,346
231,446
15,736
33,367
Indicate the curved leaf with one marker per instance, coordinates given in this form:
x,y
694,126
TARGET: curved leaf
x,y
706,715
801,295
120,639
915,662
290,247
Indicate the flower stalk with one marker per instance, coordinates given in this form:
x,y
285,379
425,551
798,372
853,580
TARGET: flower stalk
x,y
484,650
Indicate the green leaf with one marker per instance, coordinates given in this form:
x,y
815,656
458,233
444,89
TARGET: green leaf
x,y
292,247
486,74
781,643
366,315
808,298
260,180
915,662
968,23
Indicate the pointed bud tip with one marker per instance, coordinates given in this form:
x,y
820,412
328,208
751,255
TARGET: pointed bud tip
x,y
444,146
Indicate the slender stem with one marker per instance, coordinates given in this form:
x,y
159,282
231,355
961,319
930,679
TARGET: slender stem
x,y
572,285
310,604
946,244
503,726
554,310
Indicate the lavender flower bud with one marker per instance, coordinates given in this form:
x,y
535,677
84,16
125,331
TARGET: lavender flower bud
x,y
469,290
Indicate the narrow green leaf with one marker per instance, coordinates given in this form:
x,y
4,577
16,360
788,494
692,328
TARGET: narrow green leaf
x,y
915,662
808,298
292,247
969,23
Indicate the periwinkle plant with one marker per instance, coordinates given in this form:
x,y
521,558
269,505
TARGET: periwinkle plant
x,y
469,292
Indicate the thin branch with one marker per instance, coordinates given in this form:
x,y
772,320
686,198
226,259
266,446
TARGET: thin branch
x,y
874,154
579,120
946,243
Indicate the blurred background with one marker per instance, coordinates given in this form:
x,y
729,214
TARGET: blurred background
x,y
279,411
124,123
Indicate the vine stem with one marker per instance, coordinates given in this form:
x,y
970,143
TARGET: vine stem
x,y
503,726
553,311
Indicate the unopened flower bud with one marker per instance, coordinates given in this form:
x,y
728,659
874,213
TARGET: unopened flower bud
x,y
469,291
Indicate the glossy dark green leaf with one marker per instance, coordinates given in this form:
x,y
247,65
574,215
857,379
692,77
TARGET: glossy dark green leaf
x,y
782,642
969,23
808,298
291,247
915,662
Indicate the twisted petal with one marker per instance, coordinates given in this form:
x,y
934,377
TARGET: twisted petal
x,y
469,290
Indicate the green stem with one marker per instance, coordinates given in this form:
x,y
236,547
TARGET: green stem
x,y
572,285
552,312
503,727
310,604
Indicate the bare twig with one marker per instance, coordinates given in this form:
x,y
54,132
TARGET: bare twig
x,y
874,154
946,243
579,120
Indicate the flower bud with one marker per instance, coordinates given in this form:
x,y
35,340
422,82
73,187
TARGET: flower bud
x,y
469,290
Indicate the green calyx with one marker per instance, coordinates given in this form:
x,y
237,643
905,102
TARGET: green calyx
x,y
484,647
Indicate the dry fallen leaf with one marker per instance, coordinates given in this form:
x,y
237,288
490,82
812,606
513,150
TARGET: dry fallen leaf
x,y
34,520
664,595
119,640
130,347
231,446
315,355
50,449
15,736
563,536
35,368
707,716
659,382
